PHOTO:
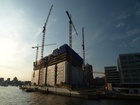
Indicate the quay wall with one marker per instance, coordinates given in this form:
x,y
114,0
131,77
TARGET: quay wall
x,y
56,90
81,94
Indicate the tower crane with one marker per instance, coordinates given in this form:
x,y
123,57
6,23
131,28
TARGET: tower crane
x,y
70,29
70,42
41,71
36,52
44,31
37,48
83,45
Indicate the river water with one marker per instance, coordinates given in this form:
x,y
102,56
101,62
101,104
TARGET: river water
x,y
14,96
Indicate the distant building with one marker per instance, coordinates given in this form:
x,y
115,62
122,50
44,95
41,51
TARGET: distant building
x,y
112,76
15,79
1,80
8,80
88,74
129,68
99,82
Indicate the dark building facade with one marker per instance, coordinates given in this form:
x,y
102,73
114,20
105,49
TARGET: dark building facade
x,y
129,68
112,75
88,74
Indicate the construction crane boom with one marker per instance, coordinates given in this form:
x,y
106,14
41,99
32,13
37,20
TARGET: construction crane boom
x,y
70,43
36,52
37,48
70,29
98,72
44,45
44,31
69,16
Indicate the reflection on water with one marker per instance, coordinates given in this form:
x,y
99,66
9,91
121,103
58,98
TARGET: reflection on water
x,y
14,96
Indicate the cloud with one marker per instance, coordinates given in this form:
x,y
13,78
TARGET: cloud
x,y
54,20
109,25
132,32
122,15
16,53
116,36
135,42
123,35
120,25
39,31
137,7
138,13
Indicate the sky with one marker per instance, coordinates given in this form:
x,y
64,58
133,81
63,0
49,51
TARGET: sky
x,y
111,27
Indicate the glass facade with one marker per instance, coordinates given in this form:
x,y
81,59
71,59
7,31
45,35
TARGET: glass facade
x,y
129,68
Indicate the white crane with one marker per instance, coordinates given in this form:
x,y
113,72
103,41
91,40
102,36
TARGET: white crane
x,y
70,29
37,48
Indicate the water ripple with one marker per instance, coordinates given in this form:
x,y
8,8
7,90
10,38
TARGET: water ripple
x,y
14,96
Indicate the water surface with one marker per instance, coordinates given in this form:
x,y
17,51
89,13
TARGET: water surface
x,y
14,96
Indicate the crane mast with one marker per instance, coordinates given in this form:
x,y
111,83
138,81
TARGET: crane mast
x,y
70,43
83,46
36,52
44,31
41,71
70,29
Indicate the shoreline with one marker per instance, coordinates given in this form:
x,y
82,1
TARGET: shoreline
x,y
77,94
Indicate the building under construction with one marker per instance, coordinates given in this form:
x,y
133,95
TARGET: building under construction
x,y
64,65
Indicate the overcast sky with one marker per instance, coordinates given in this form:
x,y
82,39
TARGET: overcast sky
x,y
112,27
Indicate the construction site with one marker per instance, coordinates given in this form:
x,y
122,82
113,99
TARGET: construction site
x,y
64,72
63,66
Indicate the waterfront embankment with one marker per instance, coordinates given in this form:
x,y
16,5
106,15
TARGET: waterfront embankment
x,y
87,94
12,95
